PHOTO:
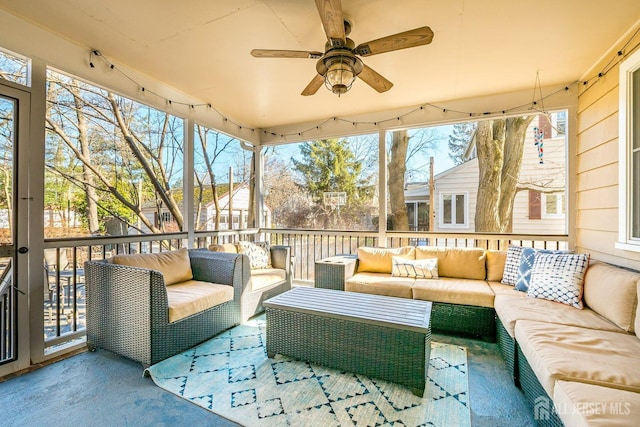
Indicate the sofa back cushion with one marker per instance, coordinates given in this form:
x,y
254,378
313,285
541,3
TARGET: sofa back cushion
x,y
495,265
225,247
380,260
175,266
612,293
461,263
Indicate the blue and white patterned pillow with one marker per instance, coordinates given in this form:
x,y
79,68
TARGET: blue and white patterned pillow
x,y
526,264
511,265
258,257
426,268
559,277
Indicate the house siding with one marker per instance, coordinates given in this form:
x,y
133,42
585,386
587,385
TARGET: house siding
x,y
597,164
463,179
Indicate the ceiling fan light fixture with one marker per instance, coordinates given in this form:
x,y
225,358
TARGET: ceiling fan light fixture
x,y
340,74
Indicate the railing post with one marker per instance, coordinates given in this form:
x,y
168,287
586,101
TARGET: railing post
x,y
382,188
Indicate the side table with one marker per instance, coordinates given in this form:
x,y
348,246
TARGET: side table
x,y
332,272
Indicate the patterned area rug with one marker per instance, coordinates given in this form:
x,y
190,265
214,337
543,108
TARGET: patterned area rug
x,y
232,376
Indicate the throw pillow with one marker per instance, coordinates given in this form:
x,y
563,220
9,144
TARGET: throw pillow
x,y
526,264
420,269
559,277
511,265
258,257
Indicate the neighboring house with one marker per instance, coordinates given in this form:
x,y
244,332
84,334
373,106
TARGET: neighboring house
x,y
539,207
207,220
239,208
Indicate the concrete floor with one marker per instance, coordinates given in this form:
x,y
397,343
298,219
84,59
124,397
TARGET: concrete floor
x,y
103,389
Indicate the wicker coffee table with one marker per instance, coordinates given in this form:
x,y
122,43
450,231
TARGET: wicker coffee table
x,y
381,337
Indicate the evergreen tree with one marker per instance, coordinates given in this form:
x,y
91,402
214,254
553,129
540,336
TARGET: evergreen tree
x,y
329,165
459,140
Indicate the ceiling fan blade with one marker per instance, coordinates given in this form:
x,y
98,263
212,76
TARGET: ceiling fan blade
x,y
273,53
411,38
332,21
375,80
313,85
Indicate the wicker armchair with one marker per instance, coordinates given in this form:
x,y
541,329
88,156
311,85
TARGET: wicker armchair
x,y
127,308
254,296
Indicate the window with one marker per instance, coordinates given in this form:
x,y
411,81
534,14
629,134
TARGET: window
x,y
629,178
453,210
554,205
15,68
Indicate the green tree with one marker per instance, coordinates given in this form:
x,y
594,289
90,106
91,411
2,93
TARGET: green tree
x,y
330,165
459,140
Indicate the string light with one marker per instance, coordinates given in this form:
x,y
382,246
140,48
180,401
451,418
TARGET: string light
x,y
585,84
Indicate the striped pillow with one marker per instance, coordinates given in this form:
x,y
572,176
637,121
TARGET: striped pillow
x,y
420,269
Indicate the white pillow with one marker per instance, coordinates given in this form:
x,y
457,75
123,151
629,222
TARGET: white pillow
x,y
559,277
258,257
420,268
511,265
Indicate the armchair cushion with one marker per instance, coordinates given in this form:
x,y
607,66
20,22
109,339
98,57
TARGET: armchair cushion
x,y
175,266
225,247
265,277
192,296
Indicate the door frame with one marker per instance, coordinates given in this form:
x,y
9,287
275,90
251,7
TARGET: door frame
x,y
20,225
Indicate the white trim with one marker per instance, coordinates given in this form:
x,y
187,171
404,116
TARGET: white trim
x,y
629,66
560,197
453,209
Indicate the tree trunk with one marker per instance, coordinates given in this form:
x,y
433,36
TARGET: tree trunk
x,y
397,168
500,145
87,177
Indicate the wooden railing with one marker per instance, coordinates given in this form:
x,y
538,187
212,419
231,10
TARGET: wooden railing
x,y
64,308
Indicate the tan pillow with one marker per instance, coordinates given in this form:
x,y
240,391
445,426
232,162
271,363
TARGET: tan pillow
x,y
225,247
495,265
461,263
379,260
174,265
612,293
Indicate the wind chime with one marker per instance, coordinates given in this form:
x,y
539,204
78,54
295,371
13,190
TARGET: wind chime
x,y
538,135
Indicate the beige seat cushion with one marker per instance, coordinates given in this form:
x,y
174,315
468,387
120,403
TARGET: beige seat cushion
x,y
637,321
517,306
582,404
461,263
174,265
500,288
264,277
380,284
379,260
495,264
192,297
454,291
612,292
560,352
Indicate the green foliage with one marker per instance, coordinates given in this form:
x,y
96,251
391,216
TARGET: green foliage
x,y
330,165
459,140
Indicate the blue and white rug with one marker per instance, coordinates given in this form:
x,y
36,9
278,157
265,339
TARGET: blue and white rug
x,y
232,376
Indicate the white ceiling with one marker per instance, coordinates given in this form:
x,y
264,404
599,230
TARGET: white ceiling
x,y
201,47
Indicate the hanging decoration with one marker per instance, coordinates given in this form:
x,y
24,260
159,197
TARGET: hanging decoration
x,y
538,136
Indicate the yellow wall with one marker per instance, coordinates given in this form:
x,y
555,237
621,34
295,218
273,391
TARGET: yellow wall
x,y
597,160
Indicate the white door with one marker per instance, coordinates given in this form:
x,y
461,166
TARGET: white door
x,y
14,316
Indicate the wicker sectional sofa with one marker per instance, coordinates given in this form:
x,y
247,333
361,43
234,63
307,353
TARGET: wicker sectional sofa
x,y
575,366
462,297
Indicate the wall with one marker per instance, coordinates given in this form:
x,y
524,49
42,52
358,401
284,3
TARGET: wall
x,y
597,160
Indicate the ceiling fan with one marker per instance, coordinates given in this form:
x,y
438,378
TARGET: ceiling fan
x,y
339,65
